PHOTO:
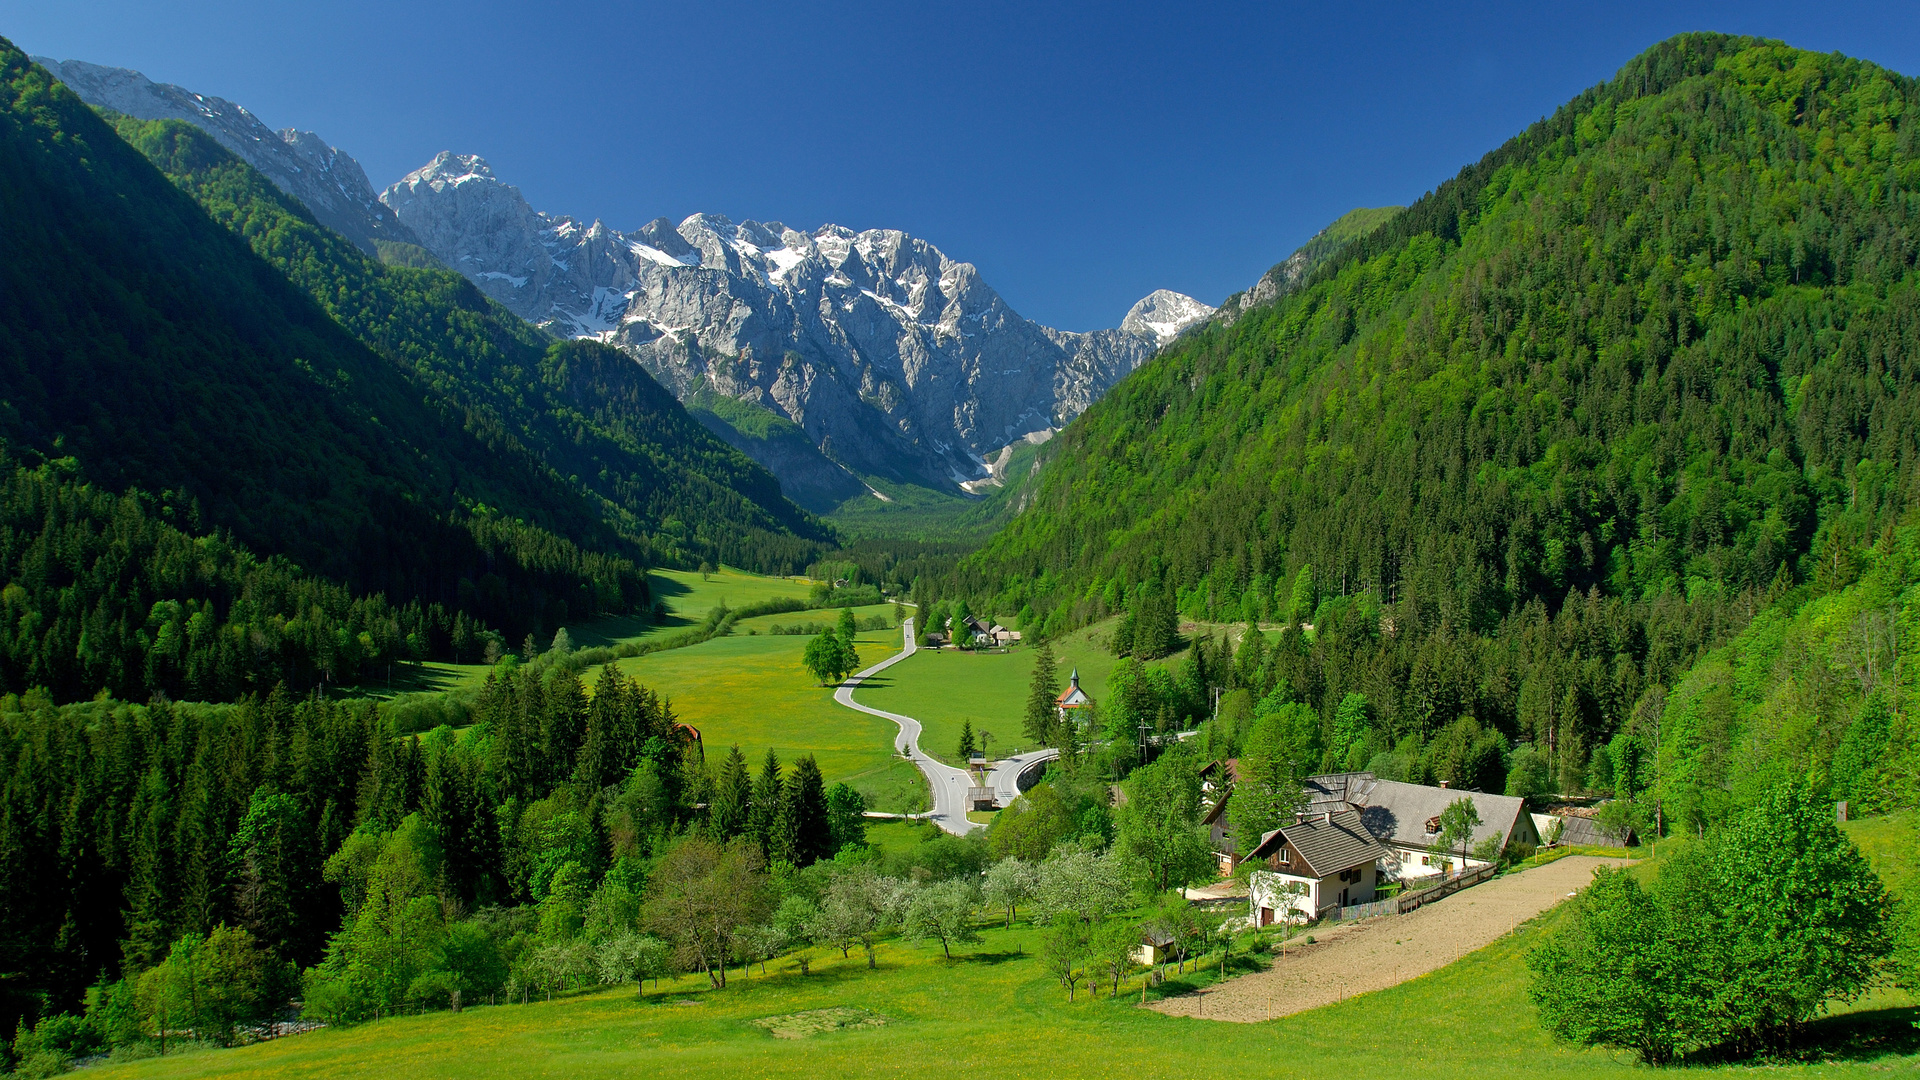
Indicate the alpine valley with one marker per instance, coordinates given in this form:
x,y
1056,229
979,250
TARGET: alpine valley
x,y
440,637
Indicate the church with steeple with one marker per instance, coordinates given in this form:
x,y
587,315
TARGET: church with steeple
x,y
1072,698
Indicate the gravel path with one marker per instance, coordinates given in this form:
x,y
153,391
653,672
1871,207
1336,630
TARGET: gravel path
x,y
1387,950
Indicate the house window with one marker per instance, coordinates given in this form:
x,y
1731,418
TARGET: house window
x,y
1426,860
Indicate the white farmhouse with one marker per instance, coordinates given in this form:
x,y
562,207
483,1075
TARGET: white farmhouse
x,y
1321,862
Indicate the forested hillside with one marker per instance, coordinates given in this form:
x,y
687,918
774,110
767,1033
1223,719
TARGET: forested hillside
x,y
149,346
300,505
1524,453
594,419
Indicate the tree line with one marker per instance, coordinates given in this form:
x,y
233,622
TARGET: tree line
x,y
118,593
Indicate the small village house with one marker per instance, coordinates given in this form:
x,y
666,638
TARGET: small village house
x,y
1153,948
1581,829
1353,834
1331,860
1406,819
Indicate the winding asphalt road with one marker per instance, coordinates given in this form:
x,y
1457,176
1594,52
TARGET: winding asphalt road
x,y
949,785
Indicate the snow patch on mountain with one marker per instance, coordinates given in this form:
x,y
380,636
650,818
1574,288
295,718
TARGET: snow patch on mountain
x,y
895,359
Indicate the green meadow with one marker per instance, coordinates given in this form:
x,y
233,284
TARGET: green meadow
x,y
751,690
946,688
994,1010
688,596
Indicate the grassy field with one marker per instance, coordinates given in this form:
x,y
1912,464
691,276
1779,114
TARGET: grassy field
x,y
751,690
995,1010
764,624
947,687
688,595
1892,844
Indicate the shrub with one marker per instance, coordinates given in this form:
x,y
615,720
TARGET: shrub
x,y
1742,940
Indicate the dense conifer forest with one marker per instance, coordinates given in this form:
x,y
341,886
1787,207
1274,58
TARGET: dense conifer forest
x,y
1521,455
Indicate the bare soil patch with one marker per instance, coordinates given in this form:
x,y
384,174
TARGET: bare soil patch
x,y
1373,954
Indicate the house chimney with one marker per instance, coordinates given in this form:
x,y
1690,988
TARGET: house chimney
x,y
1326,818
1443,785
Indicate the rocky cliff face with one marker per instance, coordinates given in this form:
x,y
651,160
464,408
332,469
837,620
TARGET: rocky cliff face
x,y
895,360
331,184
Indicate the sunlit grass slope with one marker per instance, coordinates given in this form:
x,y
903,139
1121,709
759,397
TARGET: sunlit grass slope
x,y
994,1011
753,691
688,595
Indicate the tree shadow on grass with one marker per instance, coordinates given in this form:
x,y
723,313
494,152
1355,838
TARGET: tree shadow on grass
x,y
1867,1035
873,682
991,958
662,586
609,631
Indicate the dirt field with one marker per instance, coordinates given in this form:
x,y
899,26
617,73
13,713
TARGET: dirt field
x,y
1390,949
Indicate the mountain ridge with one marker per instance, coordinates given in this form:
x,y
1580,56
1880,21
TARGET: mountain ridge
x,y
880,347
1526,448
328,181
597,424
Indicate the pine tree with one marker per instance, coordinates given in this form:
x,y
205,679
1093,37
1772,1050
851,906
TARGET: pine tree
x,y
1156,626
966,739
728,813
600,752
1043,713
803,832
1300,606
563,726
765,804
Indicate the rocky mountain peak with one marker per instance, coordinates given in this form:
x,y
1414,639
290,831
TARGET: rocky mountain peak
x,y
330,183
900,359
1164,314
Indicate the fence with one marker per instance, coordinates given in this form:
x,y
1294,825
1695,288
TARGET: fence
x,y
1405,902
1453,884
1368,911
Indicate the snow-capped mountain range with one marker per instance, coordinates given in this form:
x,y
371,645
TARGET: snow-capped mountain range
x,y
896,361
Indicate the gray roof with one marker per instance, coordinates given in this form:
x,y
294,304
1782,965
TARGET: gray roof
x,y
1584,830
1329,843
1351,787
1398,813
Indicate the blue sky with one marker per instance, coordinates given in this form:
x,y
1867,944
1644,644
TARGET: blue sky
x,y
1080,155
